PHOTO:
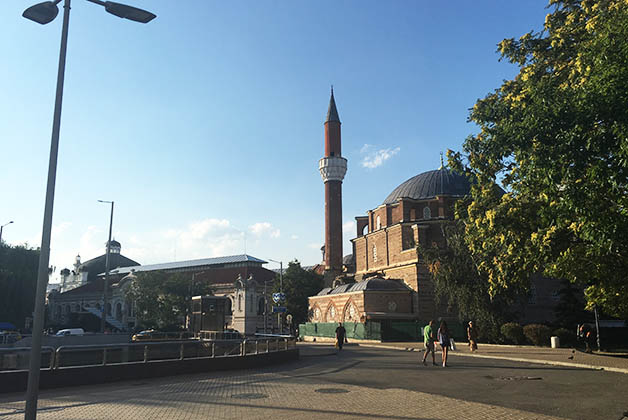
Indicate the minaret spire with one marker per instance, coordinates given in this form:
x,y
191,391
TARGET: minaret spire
x,y
332,112
333,168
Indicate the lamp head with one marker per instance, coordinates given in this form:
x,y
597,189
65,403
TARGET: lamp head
x,y
42,13
129,12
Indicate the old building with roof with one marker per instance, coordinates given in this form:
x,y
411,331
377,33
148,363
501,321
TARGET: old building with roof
x,y
241,278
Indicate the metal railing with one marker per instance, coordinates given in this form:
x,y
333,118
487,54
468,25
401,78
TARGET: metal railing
x,y
74,356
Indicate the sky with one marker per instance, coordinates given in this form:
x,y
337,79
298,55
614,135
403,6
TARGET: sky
x,y
205,126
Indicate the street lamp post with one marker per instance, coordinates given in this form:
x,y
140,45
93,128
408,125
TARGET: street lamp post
x,y
103,321
280,325
44,13
2,227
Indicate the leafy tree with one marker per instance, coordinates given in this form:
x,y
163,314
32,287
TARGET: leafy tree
x,y
162,299
18,282
556,137
459,284
298,285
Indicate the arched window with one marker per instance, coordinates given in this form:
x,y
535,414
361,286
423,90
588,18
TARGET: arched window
x,y
108,309
119,311
260,306
378,223
331,314
427,213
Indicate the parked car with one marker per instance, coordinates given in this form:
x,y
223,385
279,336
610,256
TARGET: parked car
x,y
70,331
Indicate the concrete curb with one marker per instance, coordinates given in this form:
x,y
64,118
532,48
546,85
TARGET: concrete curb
x,y
513,359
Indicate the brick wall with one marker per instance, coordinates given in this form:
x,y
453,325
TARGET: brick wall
x,y
341,303
390,302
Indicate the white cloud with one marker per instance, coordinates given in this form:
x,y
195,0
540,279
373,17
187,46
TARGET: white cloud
x,y
294,237
348,228
373,158
57,230
264,228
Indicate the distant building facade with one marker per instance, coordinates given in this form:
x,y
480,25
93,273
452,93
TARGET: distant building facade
x,y
241,278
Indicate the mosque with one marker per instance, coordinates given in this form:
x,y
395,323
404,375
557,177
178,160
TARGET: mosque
x,y
383,291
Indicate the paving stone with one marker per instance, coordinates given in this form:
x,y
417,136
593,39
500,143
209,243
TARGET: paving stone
x,y
251,395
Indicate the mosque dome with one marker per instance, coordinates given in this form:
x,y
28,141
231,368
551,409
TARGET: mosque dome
x,y
430,184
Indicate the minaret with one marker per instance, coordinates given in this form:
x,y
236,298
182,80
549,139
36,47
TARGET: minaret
x,y
333,168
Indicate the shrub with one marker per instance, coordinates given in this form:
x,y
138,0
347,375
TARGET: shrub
x,y
567,338
512,332
538,334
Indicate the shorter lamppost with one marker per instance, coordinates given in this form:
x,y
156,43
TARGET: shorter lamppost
x,y
103,321
2,227
280,326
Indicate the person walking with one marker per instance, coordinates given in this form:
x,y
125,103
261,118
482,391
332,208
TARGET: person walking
x,y
443,339
472,335
341,336
428,340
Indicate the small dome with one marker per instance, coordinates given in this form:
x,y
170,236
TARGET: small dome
x,y
430,184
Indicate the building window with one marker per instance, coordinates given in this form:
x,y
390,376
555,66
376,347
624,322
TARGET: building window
x,y
375,253
378,223
427,213
317,314
331,314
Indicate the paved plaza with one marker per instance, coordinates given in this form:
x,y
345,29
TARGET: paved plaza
x,y
358,383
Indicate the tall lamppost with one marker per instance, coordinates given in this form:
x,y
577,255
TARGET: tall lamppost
x,y
280,326
2,227
44,13
105,291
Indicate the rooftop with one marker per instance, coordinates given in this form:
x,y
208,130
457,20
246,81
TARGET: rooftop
x,y
200,263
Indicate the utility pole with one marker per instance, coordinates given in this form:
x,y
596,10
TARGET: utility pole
x,y
103,321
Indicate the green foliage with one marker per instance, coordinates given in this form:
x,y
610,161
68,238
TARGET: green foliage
x,y
18,282
458,282
555,136
538,334
162,299
567,337
298,285
513,333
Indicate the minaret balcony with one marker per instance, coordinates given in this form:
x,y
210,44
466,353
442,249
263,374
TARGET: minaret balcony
x,y
332,168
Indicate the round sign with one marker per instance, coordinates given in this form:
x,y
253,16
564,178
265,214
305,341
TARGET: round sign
x,y
289,319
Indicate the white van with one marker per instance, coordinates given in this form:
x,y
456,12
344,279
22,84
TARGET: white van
x,y
70,331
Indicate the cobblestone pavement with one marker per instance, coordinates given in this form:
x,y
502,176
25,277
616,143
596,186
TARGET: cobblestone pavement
x,y
546,355
251,394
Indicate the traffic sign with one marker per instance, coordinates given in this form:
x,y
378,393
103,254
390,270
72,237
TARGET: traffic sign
x,y
279,297
278,309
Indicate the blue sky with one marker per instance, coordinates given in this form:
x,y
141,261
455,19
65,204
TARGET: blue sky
x,y
205,126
